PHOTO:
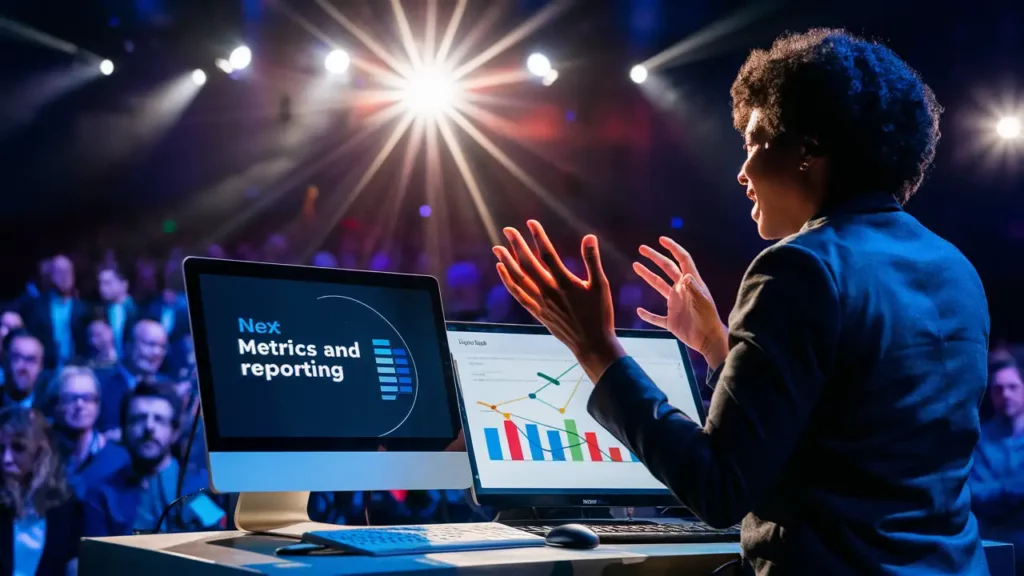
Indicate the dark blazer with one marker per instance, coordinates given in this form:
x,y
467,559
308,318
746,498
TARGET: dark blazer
x,y
844,418
132,314
63,532
36,313
111,507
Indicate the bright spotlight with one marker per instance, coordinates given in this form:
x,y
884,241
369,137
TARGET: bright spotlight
x,y
106,67
240,57
337,61
550,77
1009,128
429,91
198,77
224,65
538,64
638,74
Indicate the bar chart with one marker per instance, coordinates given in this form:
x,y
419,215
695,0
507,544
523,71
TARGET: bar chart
x,y
558,444
392,369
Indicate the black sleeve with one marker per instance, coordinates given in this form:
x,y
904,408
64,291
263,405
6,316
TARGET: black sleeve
x,y
783,334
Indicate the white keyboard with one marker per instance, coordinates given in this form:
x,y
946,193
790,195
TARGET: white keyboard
x,y
392,540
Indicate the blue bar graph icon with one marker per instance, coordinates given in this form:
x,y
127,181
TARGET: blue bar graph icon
x,y
493,444
533,437
389,389
382,351
384,343
557,452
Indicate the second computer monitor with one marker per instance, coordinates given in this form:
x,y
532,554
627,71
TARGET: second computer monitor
x,y
530,438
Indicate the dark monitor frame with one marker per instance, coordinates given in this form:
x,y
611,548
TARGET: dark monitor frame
x,y
194,267
552,498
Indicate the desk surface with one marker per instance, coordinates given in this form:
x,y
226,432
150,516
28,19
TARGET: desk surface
x,y
222,553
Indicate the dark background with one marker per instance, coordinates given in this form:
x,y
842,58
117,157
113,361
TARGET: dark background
x,y
250,406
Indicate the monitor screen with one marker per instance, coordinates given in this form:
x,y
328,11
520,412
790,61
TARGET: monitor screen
x,y
525,412
301,359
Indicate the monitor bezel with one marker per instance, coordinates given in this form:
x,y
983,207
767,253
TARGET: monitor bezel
x,y
550,498
194,267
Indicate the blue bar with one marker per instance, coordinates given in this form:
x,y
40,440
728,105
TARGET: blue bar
x,y
399,352
402,380
406,389
388,379
388,397
633,457
493,444
381,343
385,361
382,351
385,370
555,440
403,370
401,361
389,388
533,437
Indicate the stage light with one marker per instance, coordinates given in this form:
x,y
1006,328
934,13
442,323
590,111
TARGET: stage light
x,y
337,61
198,77
538,64
638,74
224,65
550,77
106,67
429,90
240,58
1009,128
425,211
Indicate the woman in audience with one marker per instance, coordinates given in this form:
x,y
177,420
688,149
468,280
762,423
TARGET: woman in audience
x,y
40,521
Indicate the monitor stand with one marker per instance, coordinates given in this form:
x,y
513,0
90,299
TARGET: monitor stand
x,y
277,513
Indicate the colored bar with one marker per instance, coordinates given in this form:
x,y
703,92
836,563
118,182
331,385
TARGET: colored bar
x,y
384,360
555,440
533,437
633,457
388,397
548,378
381,343
574,441
399,351
382,351
595,451
388,379
385,370
616,454
493,444
407,389
515,449
404,380
403,370
389,388
401,361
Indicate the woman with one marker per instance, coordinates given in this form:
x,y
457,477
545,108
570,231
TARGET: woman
x,y
848,381
40,522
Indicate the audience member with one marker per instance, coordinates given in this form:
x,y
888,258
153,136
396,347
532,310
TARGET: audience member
x,y
118,307
135,496
146,351
88,457
997,478
40,521
99,352
57,317
23,369
10,320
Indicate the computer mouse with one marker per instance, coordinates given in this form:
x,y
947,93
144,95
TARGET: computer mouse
x,y
573,536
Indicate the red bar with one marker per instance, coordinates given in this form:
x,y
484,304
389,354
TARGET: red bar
x,y
514,447
595,452
615,454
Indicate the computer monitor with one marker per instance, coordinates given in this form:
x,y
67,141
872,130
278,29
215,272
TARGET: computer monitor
x,y
316,379
524,407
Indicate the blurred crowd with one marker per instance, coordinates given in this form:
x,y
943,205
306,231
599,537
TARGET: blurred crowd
x,y
99,396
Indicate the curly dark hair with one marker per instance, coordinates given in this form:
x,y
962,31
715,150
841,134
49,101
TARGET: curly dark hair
x,y
869,112
47,487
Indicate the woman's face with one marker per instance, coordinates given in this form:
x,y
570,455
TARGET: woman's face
x,y
18,453
777,181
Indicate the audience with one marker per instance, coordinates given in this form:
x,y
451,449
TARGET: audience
x,y
40,521
125,398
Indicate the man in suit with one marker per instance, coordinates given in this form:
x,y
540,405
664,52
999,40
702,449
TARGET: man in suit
x,y
117,306
57,317
23,371
848,381
145,355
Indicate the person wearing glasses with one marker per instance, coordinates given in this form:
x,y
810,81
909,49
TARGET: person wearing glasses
x,y
22,370
145,355
88,456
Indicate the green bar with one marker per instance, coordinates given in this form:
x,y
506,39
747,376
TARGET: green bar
x,y
574,441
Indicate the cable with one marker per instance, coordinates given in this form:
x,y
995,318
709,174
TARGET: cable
x,y
734,562
163,515
183,468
